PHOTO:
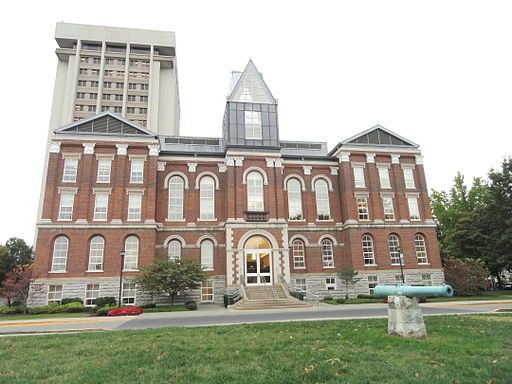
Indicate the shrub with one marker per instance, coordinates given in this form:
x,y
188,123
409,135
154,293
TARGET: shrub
x,y
54,308
166,309
10,310
68,300
149,305
191,305
339,300
38,310
103,311
366,296
328,298
125,311
105,301
73,307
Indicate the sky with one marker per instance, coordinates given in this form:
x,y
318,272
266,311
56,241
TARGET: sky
x,y
436,72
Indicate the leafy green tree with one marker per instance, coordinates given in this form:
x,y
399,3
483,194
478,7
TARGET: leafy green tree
x,y
171,277
7,262
21,252
466,275
348,276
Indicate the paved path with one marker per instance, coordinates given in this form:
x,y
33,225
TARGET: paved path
x,y
213,314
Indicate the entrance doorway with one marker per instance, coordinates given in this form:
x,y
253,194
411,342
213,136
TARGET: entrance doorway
x,y
258,261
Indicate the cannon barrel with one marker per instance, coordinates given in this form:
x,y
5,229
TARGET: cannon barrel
x,y
410,291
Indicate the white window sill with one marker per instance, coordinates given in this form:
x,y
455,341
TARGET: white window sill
x,y
69,181
57,271
395,264
100,220
363,219
214,219
297,221
414,219
102,182
136,182
174,220
208,270
133,220
64,219
130,270
389,219
299,267
95,270
423,263
328,267
324,221
370,265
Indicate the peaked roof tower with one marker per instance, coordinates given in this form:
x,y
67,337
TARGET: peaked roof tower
x,y
250,87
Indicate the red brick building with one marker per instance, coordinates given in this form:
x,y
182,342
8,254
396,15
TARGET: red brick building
x,y
253,209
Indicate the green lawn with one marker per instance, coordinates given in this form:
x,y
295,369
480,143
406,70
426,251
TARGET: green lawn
x,y
459,349
490,295
43,316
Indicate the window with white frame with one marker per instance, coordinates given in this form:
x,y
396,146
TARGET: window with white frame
x,y
137,171
330,283
92,292
104,167
131,256
128,293
359,177
298,254
421,249
134,206
60,254
327,254
426,278
389,211
101,206
253,125
176,188
409,178
368,253
96,251
207,198
362,208
294,199
67,200
70,169
323,210
414,212
54,294
385,183
174,250
254,191
394,249
207,291
207,255
372,283
300,283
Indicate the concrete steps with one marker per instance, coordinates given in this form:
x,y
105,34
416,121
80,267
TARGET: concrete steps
x,y
268,297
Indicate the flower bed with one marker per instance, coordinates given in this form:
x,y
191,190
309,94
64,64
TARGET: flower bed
x,y
125,311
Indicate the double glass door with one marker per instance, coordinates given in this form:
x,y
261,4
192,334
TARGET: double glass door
x,y
257,267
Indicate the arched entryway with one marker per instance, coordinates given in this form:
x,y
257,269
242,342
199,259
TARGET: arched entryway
x,y
258,261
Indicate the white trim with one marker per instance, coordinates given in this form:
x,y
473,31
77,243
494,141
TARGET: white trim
x,y
135,190
294,176
298,237
255,232
88,148
386,194
330,237
102,190
207,237
355,164
324,177
110,156
412,194
383,165
257,169
207,173
71,155
395,158
67,190
176,173
370,157
407,165
174,237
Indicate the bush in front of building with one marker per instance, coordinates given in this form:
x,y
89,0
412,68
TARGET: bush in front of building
x,y
105,301
366,296
73,307
10,310
104,310
340,300
149,305
67,300
191,305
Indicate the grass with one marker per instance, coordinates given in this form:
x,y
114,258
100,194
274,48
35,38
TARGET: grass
x,y
489,295
43,316
458,349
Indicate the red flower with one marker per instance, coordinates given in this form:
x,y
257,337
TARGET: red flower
x,y
125,311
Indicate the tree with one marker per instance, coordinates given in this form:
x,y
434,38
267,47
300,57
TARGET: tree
x,y
20,251
466,275
172,277
17,284
7,262
348,277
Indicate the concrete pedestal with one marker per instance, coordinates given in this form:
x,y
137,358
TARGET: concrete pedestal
x,y
405,318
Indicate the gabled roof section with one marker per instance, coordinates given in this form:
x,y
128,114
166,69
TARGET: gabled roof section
x,y
250,87
380,136
105,123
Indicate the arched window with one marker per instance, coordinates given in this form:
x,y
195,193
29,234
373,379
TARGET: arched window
x,y
368,253
294,199
131,256
299,259
322,200
421,249
96,250
394,249
60,254
176,185
207,255
174,250
207,198
327,255
254,191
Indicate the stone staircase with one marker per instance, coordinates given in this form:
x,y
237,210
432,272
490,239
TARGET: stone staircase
x,y
268,297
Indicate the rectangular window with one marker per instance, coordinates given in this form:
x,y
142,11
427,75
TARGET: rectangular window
x,y
253,125
120,86
101,207
134,206
83,71
384,178
137,171
130,110
359,177
109,61
79,107
144,87
95,72
372,283
104,167
330,283
119,97
92,292
426,278
82,83
143,111
108,72
93,96
107,84
414,212
409,178
106,96
92,108
362,207
96,60
54,293
120,74
143,99
118,109
389,212
132,86
299,261
66,205
95,84
207,291
128,293
105,108
300,283
70,170
84,59
80,95
121,61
